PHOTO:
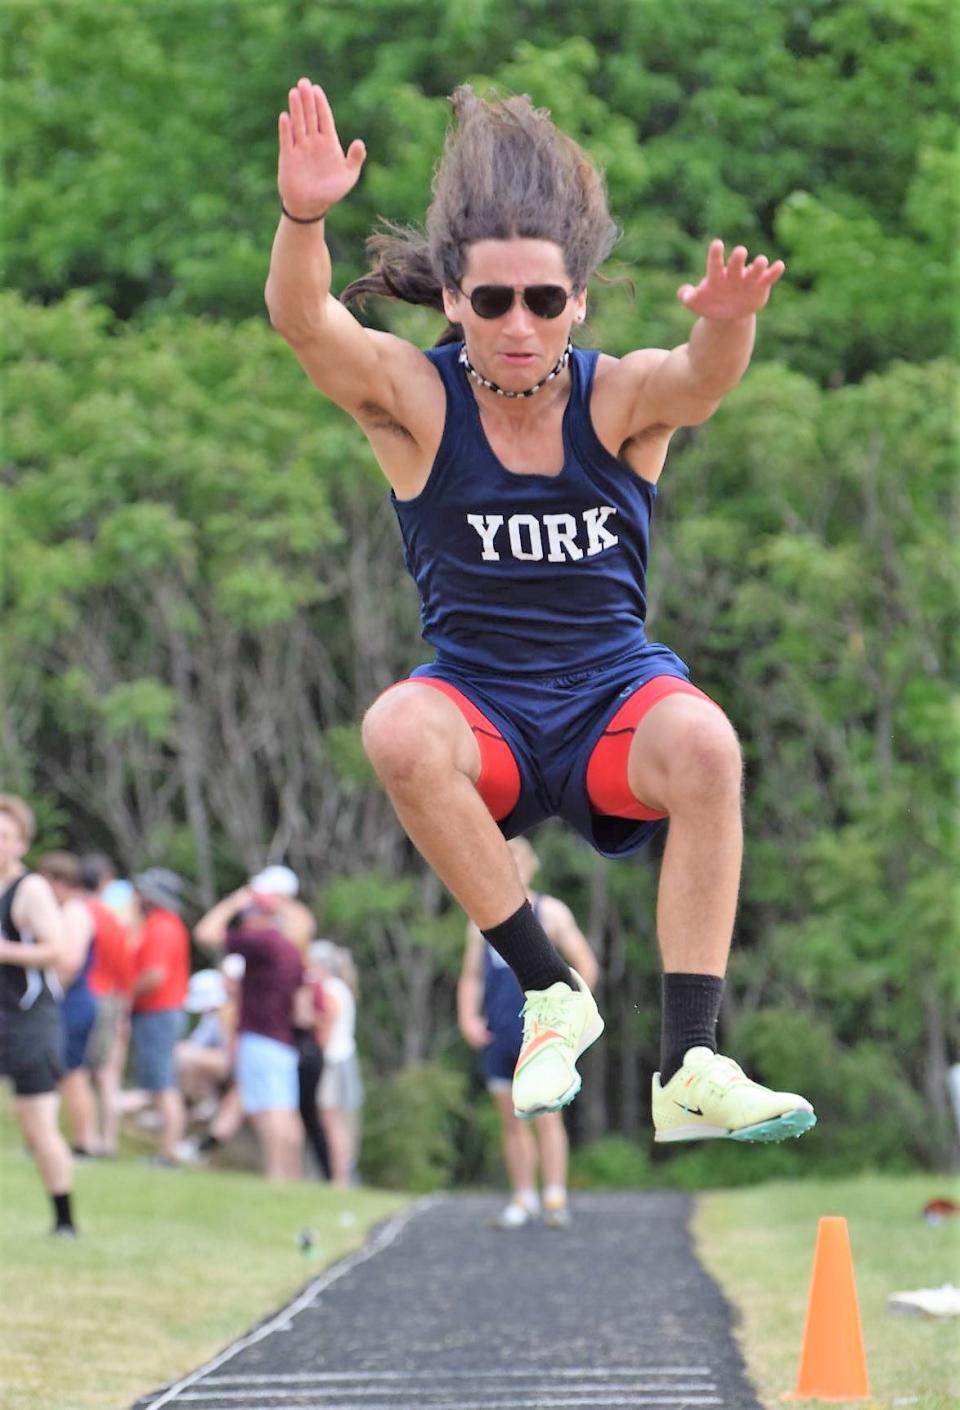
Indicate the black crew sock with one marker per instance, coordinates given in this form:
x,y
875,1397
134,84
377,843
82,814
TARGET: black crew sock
x,y
690,1008
208,1143
61,1211
522,941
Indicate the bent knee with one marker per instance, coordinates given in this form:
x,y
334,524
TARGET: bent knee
x,y
407,731
706,758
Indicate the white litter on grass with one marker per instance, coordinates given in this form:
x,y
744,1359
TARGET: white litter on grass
x,y
927,1302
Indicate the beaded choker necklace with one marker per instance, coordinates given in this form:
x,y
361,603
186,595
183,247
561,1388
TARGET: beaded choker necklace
x,y
471,371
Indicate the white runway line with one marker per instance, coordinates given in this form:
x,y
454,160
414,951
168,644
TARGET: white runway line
x,y
297,1377
364,1393
387,1235
522,1400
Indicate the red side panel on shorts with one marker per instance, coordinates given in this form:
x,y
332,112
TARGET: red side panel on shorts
x,y
499,781
607,786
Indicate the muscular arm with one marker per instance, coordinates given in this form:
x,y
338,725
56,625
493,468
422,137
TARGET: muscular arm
x,y
35,912
388,386
685,386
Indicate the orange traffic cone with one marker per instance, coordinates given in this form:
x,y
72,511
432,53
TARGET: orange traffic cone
x,y
832,1362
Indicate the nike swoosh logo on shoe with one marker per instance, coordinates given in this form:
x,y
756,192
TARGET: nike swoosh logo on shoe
x,y
690,1110
536,1043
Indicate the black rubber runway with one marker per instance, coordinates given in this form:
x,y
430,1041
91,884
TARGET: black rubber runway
x,y
440,1310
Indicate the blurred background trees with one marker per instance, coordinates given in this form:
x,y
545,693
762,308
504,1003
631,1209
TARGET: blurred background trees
x,y
202,583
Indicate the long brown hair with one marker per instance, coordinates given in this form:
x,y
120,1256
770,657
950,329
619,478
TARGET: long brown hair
x,y
506,173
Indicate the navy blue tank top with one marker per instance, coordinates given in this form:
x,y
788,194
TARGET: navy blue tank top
x,y
526,572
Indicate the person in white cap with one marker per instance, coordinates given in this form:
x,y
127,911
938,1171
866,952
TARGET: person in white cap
x,y
268,926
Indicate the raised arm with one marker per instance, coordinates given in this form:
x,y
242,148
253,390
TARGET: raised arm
x,y
382,381
210,930
685,386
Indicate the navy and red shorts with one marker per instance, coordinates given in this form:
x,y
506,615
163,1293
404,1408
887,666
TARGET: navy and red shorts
x,y
557,746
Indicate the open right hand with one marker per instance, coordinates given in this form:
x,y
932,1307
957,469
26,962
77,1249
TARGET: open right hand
x,y
313,173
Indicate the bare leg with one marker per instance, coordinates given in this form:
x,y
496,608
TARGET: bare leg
x,y
685,760
280,1136
78,1100
229,1117
427,758
519,1147
338,1144
173,1121
106,1088
37,1117
551,1135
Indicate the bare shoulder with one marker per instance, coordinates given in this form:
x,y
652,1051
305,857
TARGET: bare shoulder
x,y
555,915
33,894
617,409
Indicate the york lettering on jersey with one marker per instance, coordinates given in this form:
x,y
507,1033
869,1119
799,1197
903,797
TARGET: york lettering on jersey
x,y
533,538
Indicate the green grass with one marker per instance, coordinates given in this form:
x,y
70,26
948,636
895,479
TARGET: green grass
x,y
758,1243
170,1267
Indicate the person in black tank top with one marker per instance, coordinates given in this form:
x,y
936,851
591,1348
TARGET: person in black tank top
x,y
523,472
31,1040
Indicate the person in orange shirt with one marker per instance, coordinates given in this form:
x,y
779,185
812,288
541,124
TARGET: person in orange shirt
x,y
111,982
161,975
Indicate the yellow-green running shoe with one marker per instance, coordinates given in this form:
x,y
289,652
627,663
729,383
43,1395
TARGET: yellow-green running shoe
x,y
711,1097
559,1024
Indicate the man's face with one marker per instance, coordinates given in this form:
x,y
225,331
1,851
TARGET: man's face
x,y
12,843
517,349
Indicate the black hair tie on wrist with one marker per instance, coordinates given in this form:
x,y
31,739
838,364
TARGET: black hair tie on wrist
x,y
300,219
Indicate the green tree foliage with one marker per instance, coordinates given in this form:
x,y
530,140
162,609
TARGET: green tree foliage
x,y
202,586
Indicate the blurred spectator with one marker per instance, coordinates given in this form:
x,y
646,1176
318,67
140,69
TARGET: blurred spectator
x,y
78,1008
311,1018
161,970
202,1059
341,1086
31,1039
111,981
268,929
489,1004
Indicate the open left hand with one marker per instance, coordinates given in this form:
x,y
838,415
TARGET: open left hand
x,y
731,289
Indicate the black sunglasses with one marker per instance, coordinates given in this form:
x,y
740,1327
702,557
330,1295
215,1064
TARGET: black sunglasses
x,y
494,300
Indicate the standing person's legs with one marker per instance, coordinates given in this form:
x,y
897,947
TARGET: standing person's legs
x,y
77,1093
335,1125
267,1078
551,1137
173,1121
155,1036
520,1158
280,1136
106,1054
37,1118
309,1072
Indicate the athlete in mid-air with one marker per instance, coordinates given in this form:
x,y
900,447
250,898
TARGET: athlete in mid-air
x,y
524,473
